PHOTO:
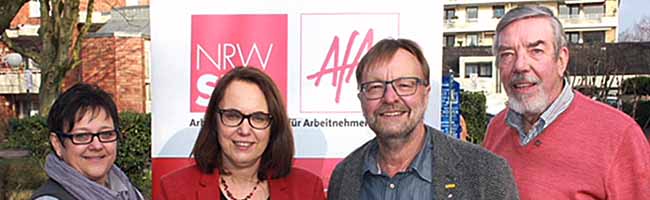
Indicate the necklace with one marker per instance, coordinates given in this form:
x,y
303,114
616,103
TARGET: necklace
x,y
225,187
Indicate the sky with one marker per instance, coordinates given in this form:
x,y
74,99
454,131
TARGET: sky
x,y
631,12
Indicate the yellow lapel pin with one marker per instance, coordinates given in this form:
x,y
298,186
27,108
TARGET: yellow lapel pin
x,y
450,186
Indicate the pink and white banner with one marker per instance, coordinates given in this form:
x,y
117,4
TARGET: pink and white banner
x,y
309,48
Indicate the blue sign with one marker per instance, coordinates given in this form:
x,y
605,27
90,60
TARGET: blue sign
x,y
450,111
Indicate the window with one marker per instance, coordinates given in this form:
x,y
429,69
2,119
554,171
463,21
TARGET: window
x,y
569,10
471,68
498,11
593,37
450,13
34,9
574,37
472,13
563,10
485,70
574,10
472,39
482,69
594,11
449,40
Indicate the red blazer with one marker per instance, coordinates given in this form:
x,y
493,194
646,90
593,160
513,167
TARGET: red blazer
x,y
190,183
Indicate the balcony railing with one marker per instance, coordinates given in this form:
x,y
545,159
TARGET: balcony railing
x,y
587,19
586,16
487,24
14,81
461,2
474,24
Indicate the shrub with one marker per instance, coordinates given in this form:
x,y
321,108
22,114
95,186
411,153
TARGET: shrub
x,y
642,114
21,174
4,124
31,134
637,86
134,150
473,108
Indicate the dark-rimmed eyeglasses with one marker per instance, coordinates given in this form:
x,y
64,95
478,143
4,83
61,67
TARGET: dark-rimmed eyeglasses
x,y
234,118
87,138
404,86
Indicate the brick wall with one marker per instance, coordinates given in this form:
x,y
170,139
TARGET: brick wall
x,y
4,50
100,5
22,17
116,65
99,63
131,73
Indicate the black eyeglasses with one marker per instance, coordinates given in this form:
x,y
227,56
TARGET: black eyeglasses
x,y
233,118
87,138
404,86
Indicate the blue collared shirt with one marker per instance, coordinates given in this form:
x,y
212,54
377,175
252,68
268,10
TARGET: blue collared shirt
x,y
516,120
414,183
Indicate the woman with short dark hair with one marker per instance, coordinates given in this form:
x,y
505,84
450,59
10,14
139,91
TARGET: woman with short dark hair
x,y
84,134
245,148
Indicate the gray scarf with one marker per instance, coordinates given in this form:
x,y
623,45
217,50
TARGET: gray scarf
x,y
81,187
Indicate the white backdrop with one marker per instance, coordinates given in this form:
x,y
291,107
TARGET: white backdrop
x,y
313,32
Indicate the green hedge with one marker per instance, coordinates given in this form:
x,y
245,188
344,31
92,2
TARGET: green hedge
x,y
636,86
30,134
134,151
20,175
473,108
642,114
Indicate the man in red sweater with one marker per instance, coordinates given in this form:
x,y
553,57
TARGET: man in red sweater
x,y
559,143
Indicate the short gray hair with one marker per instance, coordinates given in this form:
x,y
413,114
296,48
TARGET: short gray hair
x,y
526,12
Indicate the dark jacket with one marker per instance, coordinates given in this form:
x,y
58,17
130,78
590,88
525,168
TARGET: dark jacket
x,y
52,188
476,173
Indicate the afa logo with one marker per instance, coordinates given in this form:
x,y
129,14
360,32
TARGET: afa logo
x,y
222,42
331,47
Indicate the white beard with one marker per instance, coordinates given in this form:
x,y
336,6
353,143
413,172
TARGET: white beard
x,y
534,103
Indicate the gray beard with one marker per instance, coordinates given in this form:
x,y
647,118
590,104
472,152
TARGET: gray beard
x,y
534,106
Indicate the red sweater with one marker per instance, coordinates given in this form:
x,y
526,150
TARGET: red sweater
x,y
591,151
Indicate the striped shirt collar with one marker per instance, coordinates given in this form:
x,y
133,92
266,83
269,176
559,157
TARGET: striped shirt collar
x,y
516,120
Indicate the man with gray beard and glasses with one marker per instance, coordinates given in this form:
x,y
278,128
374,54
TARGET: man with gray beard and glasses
x,y
560,143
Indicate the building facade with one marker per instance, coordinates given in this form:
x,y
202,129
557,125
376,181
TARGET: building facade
x,y
472,22
116,51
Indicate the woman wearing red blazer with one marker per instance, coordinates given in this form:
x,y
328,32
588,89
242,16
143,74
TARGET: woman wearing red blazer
x,y
245,149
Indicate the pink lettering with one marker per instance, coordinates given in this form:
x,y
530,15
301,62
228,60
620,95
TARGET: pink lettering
x,y
337,69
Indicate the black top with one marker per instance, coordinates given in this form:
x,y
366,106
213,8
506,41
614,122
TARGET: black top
x,y
52,188
223,196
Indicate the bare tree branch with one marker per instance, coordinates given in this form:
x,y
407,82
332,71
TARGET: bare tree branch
x,y
76,54
34,55
640,32
8,9
60,42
